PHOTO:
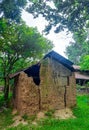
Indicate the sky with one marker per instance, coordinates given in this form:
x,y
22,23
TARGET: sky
x,y
60,40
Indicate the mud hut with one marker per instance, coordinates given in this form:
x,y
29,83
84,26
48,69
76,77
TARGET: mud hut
x,y
50,84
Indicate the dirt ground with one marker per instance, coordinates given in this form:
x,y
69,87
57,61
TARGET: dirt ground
x,y
63,114
58,114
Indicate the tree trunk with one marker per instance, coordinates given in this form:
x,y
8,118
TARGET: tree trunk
x,y
6,89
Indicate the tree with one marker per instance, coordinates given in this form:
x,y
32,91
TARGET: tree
x,y
79,48
19,43
84,62
11,9
71,14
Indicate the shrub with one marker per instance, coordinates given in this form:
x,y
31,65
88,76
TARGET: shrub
x,y
49,113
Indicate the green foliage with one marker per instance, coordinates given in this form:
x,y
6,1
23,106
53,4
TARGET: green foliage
x,y
2,100
25,117
79,48
30,118
78,87
11,9
49,113
66,14
21,127
87,84
6,119
81,110
84,63
20,45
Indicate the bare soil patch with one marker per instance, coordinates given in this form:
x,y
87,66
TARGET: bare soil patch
x,y
58,114
64,114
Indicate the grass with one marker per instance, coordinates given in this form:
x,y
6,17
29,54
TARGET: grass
x,y
2,100
81,122
49,113
5,119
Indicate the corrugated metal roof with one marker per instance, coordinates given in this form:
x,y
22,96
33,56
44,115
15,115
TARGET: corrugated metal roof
x,y
53,55
67,63
32,70
81,76
76,67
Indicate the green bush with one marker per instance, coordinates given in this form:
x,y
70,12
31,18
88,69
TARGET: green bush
x,y
2,101
49,113
25,117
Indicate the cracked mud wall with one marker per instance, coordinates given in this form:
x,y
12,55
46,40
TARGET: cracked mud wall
x,y
71,92
53,81
50,94
27,98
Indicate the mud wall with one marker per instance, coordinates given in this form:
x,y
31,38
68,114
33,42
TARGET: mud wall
x,y
26,98
71,92
57,89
